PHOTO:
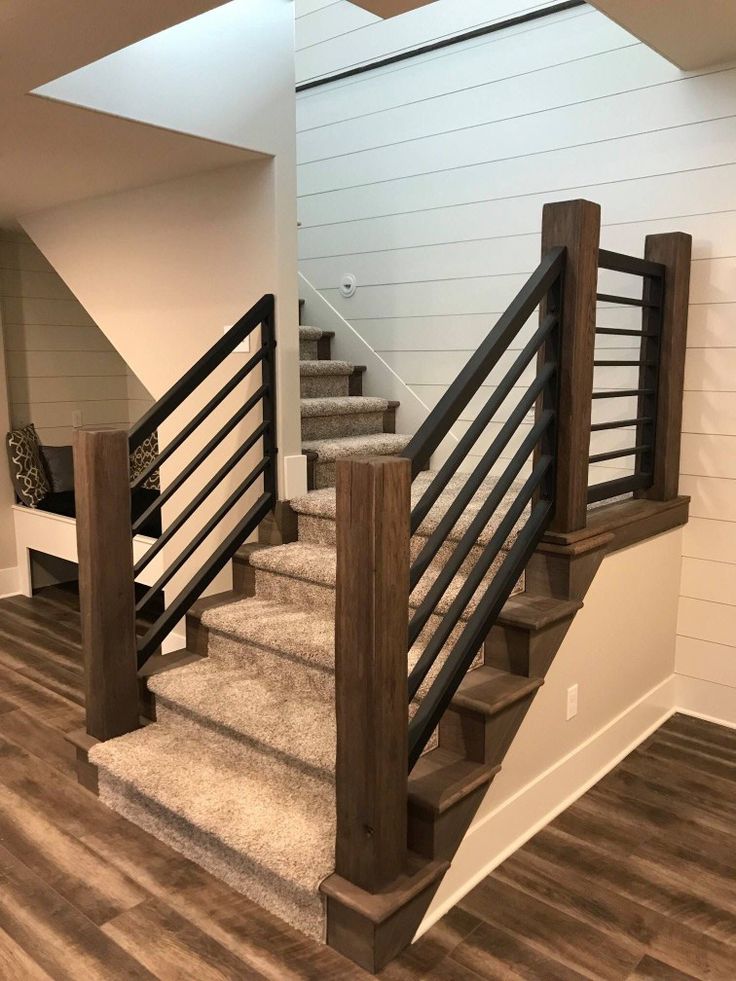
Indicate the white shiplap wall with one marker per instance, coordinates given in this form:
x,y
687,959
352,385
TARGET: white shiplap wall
x,y
426,179
57,358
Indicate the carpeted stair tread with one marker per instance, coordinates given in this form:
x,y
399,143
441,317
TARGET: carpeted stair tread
x,y
314,369
322,504
291,724
341,405
313,333
375,444
265,827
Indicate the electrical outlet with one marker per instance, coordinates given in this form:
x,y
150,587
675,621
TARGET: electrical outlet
x,y
243,347
572,702
77,419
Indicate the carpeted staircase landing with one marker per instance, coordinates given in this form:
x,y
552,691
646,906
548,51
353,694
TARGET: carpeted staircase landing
x,y
237,772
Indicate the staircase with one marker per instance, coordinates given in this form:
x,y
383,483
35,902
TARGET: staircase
x,y
274,748
244,736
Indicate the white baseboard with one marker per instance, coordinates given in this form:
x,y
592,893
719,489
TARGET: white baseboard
x,y
706,700
9,582
507,827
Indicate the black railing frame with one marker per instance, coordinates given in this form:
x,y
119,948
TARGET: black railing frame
x,y
261,314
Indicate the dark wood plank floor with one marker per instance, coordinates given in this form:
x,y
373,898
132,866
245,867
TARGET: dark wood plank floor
x,y
636,880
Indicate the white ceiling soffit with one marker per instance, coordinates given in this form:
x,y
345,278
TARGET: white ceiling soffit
x,y
689,33
52,153
390,8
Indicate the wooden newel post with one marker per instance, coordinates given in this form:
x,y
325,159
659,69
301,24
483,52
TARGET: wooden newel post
x,y
673,251
373,506
106,584
576,226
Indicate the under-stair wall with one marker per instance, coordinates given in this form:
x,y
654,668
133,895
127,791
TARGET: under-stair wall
x,y
427,177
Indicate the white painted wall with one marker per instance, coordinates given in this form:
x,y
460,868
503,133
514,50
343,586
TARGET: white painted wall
x,y
426,180
226,76
8,565
58,359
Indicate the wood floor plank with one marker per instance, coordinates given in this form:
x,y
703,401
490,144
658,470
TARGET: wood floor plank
x,y
171,947
56,936
76,872
38,739
16,963
427,958
650,969
557,935
496,954
645,884
40,702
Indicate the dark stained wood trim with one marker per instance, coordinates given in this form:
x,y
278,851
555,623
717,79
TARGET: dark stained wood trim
x,y
372,602
574,225
106,583
629,522
673,251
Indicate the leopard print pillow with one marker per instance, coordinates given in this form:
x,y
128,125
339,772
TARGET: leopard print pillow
x,y
26,466
141,458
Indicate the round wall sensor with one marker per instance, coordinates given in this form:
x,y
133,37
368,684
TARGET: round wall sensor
x,y
348,285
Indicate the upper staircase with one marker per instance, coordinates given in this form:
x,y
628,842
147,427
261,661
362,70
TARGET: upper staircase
x,y
276,748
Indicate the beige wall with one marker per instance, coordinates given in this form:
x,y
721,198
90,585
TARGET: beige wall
x,y
620,653
8,575
58,361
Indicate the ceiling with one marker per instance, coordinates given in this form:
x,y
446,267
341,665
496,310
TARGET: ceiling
x,y
390,8
51,153
690,33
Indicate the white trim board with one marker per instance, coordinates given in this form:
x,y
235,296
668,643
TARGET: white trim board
x,y
505,829
9,585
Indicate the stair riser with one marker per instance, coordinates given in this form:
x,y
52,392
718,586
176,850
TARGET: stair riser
x,y
308,351
525,652
271,664
324,386
174,717
439,835
349,424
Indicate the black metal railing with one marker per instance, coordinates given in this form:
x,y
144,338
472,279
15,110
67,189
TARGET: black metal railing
x,y
264,431
644,423
524,521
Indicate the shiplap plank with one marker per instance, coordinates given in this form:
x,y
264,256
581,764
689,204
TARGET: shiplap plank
x,y
71,389
617,117
710,413
385,37
703,659
35,284
47,415
582,79
707,580
711,369
708,456
711,497
50,312
45,338
710,539
714,622
328,23
50,364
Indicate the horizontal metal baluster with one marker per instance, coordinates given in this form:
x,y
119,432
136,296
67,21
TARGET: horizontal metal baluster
x,y
600,427
200,458
473,581
452,672
467,441
616,454
219,559
470,488
479,522
622,393
622,364
187,431
629,264
189,510
622,485
627,301
202,534
621,332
